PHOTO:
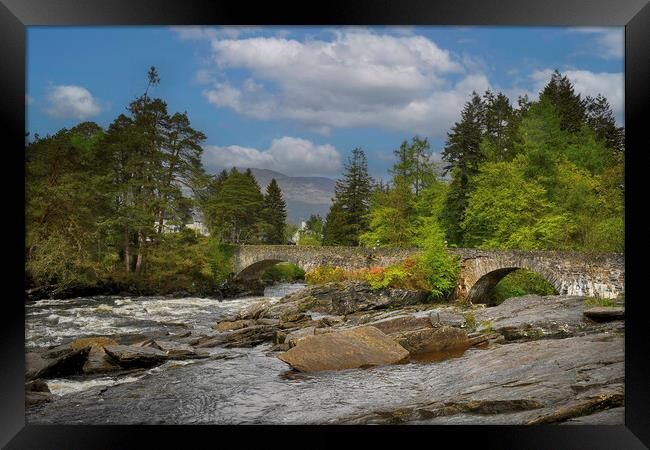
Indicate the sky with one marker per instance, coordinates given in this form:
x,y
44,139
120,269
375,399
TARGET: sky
x,y
297,100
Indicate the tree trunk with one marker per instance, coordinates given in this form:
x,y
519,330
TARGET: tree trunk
x,y
138,262
127,256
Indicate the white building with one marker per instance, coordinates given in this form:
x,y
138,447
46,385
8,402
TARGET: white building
x,y
296,236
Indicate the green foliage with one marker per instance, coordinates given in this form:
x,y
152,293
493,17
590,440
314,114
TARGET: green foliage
x,y
605,302
439,268
220,259
283,272
274,215
522,282
394,276
470,320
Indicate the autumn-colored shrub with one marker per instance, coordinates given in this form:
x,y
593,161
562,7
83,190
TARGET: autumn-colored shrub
x,y
325,274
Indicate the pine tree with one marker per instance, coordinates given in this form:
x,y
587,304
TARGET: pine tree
x,y
463,155
501,124
337,230
274,214
352,194
235,209
571,108
600,119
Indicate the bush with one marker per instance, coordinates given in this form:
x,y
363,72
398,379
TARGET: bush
x,y
521,282
435,266
325,274
283,272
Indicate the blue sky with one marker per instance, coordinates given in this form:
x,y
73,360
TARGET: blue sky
x,y
299,99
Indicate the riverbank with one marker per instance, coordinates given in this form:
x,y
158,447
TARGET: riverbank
x,y
529,360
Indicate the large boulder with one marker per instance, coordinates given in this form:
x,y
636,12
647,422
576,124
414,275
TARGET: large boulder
x,y
130,356
427,340
296,336
358,347
97,362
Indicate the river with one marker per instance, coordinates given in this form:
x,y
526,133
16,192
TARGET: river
x,y
249,386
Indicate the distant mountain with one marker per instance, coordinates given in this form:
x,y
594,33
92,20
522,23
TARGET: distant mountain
x,y
304,195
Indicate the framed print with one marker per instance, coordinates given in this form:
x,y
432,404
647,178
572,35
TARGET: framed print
x,y
357,214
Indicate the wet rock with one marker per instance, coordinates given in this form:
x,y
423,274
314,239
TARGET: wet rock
x,y
531,317
272,322
99,362
250,336
280,347
605,314
331,321
445,317
402,324
438,339
517,383
358,347
36,398
37,385
130,356
176,350
68,362
93,342
234,325
254,311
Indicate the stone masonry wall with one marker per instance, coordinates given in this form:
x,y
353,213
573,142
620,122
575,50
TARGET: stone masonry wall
x,y
572,273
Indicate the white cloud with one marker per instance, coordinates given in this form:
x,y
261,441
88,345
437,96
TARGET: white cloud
x,y
287,155
609,41
585,82
358,79
71,101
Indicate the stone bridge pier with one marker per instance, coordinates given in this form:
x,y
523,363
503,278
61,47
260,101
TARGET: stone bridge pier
x,y
572,273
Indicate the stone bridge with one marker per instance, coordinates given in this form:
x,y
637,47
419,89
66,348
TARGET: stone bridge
x,y
572,273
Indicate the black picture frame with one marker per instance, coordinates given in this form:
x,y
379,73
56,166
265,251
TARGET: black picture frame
x,y
15,15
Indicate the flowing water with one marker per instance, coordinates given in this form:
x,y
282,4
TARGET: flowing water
x,y
234,386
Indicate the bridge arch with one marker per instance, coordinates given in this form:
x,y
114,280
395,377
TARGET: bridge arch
x,y
482,291
256,269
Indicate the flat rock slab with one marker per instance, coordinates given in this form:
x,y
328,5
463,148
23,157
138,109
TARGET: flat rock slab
x,y
131,356
402,323
358,347
605,313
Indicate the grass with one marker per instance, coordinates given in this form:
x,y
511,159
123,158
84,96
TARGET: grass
x,y
593,301
470,320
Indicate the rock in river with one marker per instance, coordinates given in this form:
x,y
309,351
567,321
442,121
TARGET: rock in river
x,y
131,356
354,348
57,362
605,314
439,339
